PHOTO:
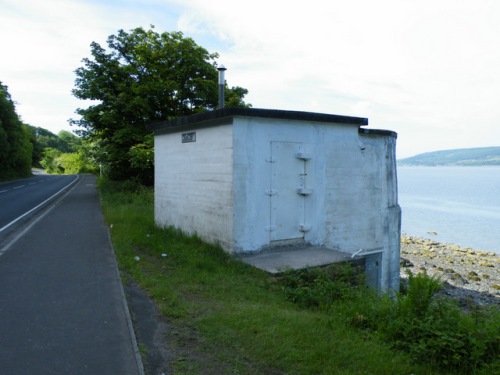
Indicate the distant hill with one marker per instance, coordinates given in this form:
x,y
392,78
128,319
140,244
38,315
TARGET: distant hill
x,y
459,157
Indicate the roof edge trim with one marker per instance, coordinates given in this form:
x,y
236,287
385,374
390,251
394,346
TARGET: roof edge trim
x,y
382,132
256,112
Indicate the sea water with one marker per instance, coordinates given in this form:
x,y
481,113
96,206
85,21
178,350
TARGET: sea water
x,y
459,205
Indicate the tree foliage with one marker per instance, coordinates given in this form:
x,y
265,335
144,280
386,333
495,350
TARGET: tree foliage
x,y
143,77
64,153
41,139
57,162
15,145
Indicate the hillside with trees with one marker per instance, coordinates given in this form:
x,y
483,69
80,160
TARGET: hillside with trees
x,y
16,146
64,153
458,157
23,146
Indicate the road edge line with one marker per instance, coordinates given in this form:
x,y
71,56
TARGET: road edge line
x,y
4,249
39,205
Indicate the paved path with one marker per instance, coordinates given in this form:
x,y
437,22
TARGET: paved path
x,y
62,309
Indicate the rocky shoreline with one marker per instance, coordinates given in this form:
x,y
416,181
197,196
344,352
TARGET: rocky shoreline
x,y
468,275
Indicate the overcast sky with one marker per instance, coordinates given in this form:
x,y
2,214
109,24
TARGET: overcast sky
x,y
427,69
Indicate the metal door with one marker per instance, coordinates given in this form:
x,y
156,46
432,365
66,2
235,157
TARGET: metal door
x,y
288,191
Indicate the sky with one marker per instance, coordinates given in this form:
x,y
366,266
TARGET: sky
x,y
426,69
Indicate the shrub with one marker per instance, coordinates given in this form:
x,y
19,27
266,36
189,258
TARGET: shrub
x,y
433,330
419,294
320,287
437,330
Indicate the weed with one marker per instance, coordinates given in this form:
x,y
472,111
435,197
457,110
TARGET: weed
x,y
437,330
419,295
320,287
429,329
245,322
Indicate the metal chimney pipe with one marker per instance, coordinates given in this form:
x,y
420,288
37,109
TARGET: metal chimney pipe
x,y
221,69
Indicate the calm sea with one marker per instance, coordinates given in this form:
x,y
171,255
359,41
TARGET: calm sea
x,y
460,204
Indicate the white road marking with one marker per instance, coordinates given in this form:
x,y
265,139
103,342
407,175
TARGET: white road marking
x,y
38,206
18,187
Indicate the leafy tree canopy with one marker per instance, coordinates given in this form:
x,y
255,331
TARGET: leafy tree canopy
x,y
65,142
143,77
15,145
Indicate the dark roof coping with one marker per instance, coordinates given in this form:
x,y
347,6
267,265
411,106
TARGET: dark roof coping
x,y
385,133
255,112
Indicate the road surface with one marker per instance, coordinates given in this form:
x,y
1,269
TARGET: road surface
x,y
62,305
21,196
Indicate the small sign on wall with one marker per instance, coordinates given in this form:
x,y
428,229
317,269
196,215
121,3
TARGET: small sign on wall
x,y
188,137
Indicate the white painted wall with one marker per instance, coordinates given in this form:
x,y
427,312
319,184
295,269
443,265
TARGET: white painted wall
x,y
353,200
345,208
218,186
353,176
252,175
194,183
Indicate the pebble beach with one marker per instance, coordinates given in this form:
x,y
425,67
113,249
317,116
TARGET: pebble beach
x,y
468,275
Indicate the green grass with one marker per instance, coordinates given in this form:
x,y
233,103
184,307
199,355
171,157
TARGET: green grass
x,y
240,320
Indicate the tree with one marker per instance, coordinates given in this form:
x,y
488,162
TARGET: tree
x,y
41,139
50,160
69,142
15,145
145,77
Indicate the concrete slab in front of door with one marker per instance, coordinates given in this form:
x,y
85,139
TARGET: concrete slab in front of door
x,y
294,257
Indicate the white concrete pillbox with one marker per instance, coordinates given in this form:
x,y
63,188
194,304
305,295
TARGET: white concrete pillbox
x,y
253,179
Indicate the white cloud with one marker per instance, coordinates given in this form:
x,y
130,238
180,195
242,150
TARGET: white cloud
x,y
426,69
44,42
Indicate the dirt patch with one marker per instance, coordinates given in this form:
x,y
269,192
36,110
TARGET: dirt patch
x,y
174,347
150,329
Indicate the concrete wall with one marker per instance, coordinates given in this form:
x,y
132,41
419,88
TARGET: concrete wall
x,y
194,183
252,176
348,174
380,155
353,177
223,187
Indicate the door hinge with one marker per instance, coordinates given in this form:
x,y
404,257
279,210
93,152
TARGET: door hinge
x,y
304,191
271,192
304,155
305,227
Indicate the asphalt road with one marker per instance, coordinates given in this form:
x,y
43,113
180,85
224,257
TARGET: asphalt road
x,y
62,305
20,196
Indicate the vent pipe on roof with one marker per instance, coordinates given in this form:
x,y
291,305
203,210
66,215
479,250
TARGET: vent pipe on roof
x,y
221,68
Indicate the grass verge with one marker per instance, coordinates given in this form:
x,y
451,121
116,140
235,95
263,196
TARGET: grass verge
x,y
236,319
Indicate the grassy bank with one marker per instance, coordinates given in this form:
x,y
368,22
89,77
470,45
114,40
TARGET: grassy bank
x,y
238,320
